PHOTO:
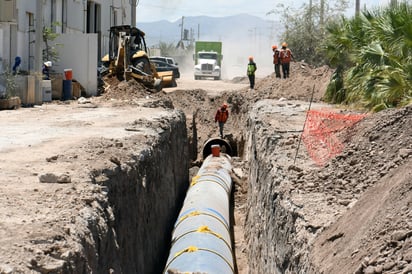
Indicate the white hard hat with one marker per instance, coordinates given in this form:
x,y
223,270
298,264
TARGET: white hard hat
x,y
48,64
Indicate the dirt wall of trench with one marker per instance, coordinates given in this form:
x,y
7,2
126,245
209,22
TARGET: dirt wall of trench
x,y
114,209
274,243
350,216
145,190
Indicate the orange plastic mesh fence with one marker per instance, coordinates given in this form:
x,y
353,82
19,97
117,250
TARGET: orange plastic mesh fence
x,y
320,133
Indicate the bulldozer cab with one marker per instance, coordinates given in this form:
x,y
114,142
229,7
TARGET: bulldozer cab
x,y
130,38
128,58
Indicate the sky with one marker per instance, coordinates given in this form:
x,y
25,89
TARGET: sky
x,y
172,10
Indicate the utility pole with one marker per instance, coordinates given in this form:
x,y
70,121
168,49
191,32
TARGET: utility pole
x,y
38,56
357,7
181,29
310,11
322,13
133,4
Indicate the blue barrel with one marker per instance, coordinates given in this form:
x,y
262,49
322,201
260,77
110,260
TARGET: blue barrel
x,y
67,90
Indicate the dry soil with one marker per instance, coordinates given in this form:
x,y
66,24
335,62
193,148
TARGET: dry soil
x,y
372,235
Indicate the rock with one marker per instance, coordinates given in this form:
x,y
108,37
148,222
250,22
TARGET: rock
x,y
52,158
48,178
52,178
408,256
400,235
407,269
295,168
359,270
369,270
288,142
238,172
6,269
404,152
64,179
388,265
83,100
344,202
53,266
378,269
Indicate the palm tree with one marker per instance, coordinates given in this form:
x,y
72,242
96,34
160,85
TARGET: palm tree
x,y
377,49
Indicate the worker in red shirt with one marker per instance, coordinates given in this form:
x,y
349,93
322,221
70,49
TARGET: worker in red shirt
x,y
276,60
221,117
285,58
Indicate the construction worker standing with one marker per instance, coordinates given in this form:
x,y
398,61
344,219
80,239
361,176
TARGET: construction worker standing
x,y
276,60
221,117
251,68
285,58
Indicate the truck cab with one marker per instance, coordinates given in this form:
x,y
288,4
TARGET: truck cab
x,y
207,65
208,57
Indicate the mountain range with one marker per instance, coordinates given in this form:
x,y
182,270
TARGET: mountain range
x,y
242,36
243,28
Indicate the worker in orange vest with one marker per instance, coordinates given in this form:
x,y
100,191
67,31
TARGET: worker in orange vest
x,y
221,117
276,60
285,57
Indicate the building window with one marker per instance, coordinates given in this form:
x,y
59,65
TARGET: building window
x,y
64,16
93,17
30,19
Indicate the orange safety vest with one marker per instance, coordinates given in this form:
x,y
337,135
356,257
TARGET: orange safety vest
x,y
222,115
285,55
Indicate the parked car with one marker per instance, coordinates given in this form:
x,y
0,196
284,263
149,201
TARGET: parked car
x,y
163,66
169,60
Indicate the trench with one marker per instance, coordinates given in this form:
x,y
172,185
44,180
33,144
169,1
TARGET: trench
x,y
145,198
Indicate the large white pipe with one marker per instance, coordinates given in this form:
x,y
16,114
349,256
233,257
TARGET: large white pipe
x,y
201,239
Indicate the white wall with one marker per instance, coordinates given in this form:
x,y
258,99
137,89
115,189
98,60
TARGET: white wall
x,y
5,52
80,50
79,54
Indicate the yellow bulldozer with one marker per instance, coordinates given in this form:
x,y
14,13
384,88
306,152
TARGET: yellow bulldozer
x,y
128,58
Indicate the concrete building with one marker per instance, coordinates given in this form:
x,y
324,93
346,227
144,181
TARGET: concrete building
x,y
82,27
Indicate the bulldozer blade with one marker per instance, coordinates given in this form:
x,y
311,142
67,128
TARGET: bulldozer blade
x,y
167,79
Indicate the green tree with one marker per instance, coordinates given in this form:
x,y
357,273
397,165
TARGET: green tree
x,y
167,49
305,28
50,53
10,82
373,54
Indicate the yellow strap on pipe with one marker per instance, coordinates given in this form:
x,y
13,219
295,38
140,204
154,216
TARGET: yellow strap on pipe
x,y
194,213
195,249
205,229
197,213
194,180
214,181
188,249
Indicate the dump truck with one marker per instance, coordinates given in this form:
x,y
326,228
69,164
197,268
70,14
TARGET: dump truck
x,y
208,60
128,58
